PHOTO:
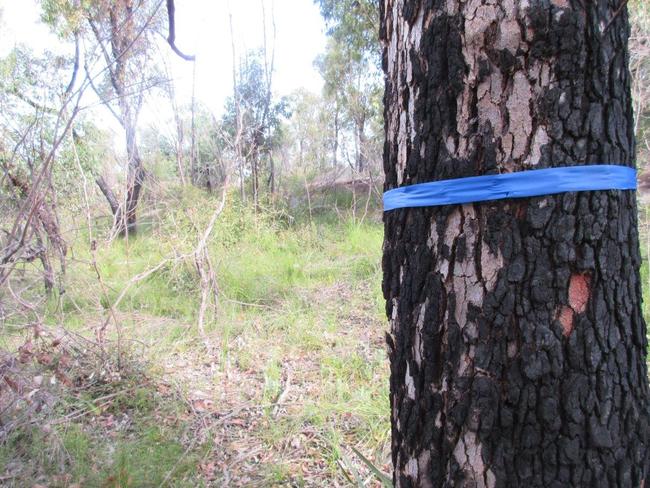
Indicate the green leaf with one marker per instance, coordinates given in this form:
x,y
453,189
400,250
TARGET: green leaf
x,y
382,477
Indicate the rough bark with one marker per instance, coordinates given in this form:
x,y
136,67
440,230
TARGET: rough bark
x,y
517,344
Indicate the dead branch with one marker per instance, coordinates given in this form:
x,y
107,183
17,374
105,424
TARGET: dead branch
x,y
171,38
205,269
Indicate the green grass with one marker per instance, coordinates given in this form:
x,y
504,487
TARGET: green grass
x,y
257,260
148,459
145,459
143,454
298,301
300,313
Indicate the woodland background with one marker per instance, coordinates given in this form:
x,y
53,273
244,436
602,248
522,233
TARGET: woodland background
x,y
200,305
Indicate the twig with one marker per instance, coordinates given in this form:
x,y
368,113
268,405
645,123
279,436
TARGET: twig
x,y
282,396
97,403
253,305
204,266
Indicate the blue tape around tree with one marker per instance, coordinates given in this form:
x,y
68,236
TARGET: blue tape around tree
x,y
531,183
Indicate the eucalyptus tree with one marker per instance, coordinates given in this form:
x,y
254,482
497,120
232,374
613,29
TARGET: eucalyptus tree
x,y
119,37
122,32
211,160
36,112
517,343
312,130
354,23
252,120
350,69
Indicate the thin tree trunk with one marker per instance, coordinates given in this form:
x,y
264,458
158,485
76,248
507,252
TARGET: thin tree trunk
x,y
335,150
362,143
255,176
269,67
180,134
126,217
193,165
301,143
117,53
271,173
517,344
179,151
238,122
48,269
108,194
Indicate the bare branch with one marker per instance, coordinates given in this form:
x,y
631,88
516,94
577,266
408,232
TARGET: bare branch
x,y
171,39
75,67
101,97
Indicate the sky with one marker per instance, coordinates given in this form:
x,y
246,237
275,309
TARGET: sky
x,y
203,29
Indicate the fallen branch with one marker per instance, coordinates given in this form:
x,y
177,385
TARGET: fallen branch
x,y
204,267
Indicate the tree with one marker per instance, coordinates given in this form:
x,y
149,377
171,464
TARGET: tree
x,y
350,69
517,344
352,87
353,23
253,118
36,111
120,68
122,33
312,130
210,167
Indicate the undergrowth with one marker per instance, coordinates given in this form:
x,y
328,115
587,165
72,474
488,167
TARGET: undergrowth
x,y
288,386
293,346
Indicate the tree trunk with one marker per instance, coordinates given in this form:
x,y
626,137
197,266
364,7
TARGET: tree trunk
x,y
517,344
126,217
180,136
271,173
48,269
108,194
335,149
362,144
255,155
193,150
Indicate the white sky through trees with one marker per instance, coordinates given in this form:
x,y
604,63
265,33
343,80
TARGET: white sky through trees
x,y
202,29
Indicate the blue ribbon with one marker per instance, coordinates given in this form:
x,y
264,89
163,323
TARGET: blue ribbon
x,y
531,183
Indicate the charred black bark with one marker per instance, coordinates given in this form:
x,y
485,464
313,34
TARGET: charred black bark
x,y
517,344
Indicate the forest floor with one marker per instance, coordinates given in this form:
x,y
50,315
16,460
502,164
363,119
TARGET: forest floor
x,y
286,386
